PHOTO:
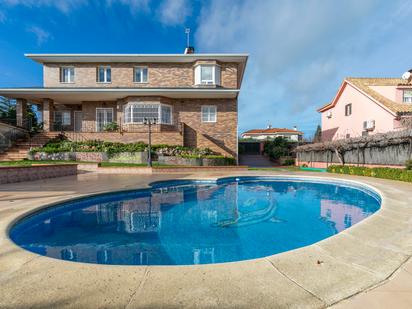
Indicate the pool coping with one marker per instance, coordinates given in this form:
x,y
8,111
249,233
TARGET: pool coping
x,y
294,268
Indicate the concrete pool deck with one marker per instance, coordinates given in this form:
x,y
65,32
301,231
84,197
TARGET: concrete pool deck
x,y
366,266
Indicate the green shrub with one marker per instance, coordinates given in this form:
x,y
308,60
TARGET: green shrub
x,y
289,162
377,172
111,127
408,165
61,144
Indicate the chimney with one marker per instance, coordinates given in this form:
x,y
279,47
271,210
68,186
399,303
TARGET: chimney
x,y
189,50
269,126
295,128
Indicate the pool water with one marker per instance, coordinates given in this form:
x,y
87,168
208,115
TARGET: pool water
x,y
195,222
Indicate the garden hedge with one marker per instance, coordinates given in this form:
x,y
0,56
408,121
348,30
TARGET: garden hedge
x,y
377,172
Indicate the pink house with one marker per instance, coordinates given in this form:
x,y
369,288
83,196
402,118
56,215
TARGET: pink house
x,y
366,106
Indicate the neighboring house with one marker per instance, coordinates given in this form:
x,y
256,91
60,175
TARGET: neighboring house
x,y
365,106
192,97
271,133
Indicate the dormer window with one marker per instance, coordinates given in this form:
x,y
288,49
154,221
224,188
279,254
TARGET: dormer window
x,y
104,74
207,74
407,96
67,74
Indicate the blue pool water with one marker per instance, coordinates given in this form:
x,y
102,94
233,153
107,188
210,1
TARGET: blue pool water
x,y
194,222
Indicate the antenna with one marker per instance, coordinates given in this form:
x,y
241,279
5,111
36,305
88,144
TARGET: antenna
x,y
187,31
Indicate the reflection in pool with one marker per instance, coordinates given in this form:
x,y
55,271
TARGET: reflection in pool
x,y
180,223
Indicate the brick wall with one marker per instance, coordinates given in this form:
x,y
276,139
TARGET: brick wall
x,y
30,173
220,136
159,75
187,128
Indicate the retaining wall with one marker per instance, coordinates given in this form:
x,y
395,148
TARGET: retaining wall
x,y
11,174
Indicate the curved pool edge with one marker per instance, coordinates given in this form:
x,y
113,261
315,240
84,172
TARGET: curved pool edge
x,y
350,274
218,180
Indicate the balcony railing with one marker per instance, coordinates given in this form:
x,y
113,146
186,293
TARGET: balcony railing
x,y
113,127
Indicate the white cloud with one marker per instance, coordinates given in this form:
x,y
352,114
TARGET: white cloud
x,y
135,6
41,35
2,17
174,12
65,6
299,53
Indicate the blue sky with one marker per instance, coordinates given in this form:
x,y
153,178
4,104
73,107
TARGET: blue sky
x,y
300,51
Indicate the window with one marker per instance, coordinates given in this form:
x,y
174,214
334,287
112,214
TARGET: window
x,y
407,96
208,113
67,74
140,74
104,74
62,117
166,114
207,74
137,112
348,109
104,116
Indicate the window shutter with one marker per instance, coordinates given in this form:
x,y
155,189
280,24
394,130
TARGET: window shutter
x,y
197,75
217,74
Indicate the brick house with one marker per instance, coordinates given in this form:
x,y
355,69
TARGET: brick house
x,y
366,106
192,97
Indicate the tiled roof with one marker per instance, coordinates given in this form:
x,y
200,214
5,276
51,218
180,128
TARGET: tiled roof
x,y
364,84
272,131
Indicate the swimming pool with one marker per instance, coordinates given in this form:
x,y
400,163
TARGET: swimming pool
x,y
188,222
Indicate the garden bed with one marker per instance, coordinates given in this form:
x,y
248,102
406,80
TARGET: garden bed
x,y
135,153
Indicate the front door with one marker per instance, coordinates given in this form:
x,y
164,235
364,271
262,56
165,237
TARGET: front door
x,y
104,116
78,120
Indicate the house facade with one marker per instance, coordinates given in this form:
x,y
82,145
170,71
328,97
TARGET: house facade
x,y
364,106
271,133
192,98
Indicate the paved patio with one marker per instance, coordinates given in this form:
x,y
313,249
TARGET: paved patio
x,y
365,266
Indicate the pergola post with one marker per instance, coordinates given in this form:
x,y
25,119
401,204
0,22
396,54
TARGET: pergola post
x,y
48,108
21,112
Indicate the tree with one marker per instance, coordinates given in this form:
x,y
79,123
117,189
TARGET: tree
x,y
7,108
317,138
277,147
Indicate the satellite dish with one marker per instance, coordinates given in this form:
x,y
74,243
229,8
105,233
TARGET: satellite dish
x,y
406,75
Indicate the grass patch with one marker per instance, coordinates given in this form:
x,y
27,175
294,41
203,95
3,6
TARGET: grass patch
x,y
276,169
32,162
121,164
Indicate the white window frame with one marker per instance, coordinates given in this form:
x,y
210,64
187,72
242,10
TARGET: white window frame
x,y
64,112
159,112
134,75
407,99
209,119
105,81
216,71
99,108
70,76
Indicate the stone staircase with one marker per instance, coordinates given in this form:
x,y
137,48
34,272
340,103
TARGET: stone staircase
x,y
21,148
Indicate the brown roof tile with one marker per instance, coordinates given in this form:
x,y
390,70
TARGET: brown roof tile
x,y
272,131
363,84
